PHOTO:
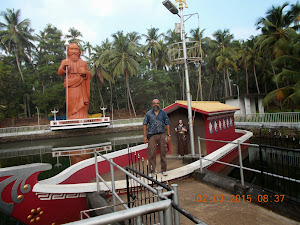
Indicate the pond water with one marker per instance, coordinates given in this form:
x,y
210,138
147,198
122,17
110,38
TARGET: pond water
x,y
282,159
21,153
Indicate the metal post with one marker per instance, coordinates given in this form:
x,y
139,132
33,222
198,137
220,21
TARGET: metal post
x,y
261,165
188,93
241,163
168,216
67,88
139,220
160,213
113,183
200,155
97,175
175,199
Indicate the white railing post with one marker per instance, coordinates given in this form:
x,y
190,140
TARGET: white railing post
x,y
113,183
160,213
241,163
97,172
175,199
200,154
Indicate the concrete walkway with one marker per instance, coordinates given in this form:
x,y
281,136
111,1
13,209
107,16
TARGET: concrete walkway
x,y
222,213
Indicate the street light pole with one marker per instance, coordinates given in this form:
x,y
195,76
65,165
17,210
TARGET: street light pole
x,y
188,93
172,8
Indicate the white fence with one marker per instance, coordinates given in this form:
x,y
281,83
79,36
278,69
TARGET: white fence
x,y
282,117
23,129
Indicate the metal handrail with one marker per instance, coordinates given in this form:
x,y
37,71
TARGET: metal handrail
x,y
161,195
240,160
128,214
281,117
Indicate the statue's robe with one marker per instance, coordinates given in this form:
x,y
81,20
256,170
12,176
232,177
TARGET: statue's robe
x,y
78,89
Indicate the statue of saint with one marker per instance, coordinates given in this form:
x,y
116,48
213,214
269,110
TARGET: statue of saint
x,y
78,81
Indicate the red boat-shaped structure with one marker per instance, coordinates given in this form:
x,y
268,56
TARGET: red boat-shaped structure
x,y
60,199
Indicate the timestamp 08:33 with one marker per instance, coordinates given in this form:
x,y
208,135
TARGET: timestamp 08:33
x,y
241,198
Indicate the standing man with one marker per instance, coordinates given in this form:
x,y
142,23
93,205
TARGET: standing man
x,y
156,120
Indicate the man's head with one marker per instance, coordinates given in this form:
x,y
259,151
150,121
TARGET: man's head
x,y
155,104
74,51
180,121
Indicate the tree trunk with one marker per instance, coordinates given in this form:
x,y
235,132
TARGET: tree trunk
x,y
229,84
211,85
127,102
28,108
200,82
247,81
18,65
118,107
254,72
25,106
274,74
225,83
128,89
100,95
111,95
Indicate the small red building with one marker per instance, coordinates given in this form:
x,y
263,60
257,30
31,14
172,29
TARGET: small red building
x,y
212,120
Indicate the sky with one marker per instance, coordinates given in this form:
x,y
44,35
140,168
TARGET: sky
x,y
99,19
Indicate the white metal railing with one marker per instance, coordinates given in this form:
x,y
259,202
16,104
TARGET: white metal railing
x,y
47,127
281,117
240,166
23,129
165,215
139,211
127,121
175,52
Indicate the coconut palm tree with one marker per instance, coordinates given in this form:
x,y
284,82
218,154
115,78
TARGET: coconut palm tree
x,y
242,57
134,39
122,61
290,75
152,46
16,39
15,35
225,60
172,37
100,69
88,47
253,58
197,51
276,31
225,56
74,36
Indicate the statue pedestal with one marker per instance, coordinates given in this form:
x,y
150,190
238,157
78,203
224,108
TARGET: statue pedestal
x,y
80,123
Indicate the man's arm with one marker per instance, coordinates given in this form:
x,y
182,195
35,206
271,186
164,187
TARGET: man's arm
x,y
145,133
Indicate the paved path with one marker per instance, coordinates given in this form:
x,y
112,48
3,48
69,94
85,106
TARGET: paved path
x,y
222,213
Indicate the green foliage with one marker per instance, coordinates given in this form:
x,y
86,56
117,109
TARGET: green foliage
x,y
129,74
